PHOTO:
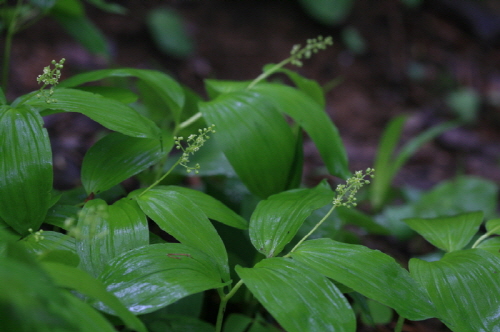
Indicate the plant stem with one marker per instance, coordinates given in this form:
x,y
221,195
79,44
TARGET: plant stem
x,y
269,72
8,45
399,324
223,303
312,230
189,121
160,179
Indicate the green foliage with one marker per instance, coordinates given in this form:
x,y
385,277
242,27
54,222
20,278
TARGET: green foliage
x,y
95,257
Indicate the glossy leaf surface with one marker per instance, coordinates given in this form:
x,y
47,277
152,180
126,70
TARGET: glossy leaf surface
x,y
76,279
180,217
107,231
255,139
299,298
312,117
167,89
213,208
151,277
276,220
369,272
448,233
25,169
464,287
108,112
48,241
117,157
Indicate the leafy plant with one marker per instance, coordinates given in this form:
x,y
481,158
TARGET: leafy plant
x,y
90,260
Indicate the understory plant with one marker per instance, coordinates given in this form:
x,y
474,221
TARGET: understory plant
x,y
98,258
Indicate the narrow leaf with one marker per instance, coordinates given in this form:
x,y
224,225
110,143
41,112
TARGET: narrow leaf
x,y
369,272
448,233
107,231
299,298
25,169
244,117
464,287
76,279
213,208
180,217
154,276
276,220
117,157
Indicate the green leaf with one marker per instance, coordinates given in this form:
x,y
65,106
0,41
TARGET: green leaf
x,y
448,233
25,169
213,208
62,215
166,88
299,298
464,287
276,220
107,231
328,12
368,272
154,276
358,218
387,163
312,117
76,279
462,194
185,221
217,87
108,112
111,92
117,157
46,241
80,28
169,32
493,226
255,138
310,87
492,245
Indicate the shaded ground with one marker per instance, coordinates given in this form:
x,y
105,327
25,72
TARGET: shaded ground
x,y
413,59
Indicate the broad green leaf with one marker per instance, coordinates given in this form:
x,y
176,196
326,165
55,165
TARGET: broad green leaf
x,y
358,218
25,169
492,245
76,279
151,277
117,157
493,226
213,208
108,112
312,117
216,87
459,195
107,231
368,272
111,92
255,138
448,233
307,86
464,287
43,242
276,220
167,89
169,32
299,298
62,216
81,29
177,215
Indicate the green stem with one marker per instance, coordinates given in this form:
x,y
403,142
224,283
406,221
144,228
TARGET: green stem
x,y
399,324
8,46
269,72
223,303
189,121
160,179
312,230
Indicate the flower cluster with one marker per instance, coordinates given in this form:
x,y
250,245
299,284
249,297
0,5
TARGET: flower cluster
x,y
50,77
194,143
346,192
313,46
38,234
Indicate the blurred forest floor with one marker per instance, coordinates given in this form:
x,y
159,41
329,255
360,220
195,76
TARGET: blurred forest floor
x,y
410,62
